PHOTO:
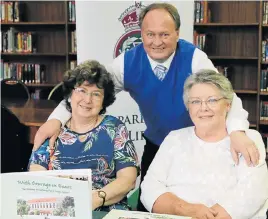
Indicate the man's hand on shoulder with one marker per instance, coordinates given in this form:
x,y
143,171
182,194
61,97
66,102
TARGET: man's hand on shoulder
x,y
50,129
241,143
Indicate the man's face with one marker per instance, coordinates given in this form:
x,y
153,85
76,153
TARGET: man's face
x,y
159,34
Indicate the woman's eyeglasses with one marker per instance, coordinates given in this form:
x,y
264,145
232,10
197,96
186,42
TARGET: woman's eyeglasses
x,y
210,102
95,95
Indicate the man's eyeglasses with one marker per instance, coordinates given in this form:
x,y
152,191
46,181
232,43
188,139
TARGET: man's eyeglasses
x,y
210,102
95,95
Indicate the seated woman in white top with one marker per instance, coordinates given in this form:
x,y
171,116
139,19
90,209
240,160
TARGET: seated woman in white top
x,y
193,173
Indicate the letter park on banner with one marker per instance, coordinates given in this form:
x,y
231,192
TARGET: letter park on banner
x,y
104,30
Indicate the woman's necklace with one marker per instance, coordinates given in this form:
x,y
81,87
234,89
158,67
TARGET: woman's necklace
x,y
90,127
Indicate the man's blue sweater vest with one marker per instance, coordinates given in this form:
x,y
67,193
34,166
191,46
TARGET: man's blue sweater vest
x,y
160,102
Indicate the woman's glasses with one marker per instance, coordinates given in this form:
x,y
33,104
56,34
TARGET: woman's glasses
x,y
210,102
95,95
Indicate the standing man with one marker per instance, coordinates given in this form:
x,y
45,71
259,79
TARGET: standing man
x,y
154,73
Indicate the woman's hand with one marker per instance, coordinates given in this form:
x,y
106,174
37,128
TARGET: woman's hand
x,y
240,143
221,212
200,211
50,129
96,200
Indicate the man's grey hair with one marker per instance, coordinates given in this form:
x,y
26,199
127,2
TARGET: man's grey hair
x,y
172,10
206,76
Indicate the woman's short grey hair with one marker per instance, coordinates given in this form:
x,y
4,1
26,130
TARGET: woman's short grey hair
x,y
208,77
172,10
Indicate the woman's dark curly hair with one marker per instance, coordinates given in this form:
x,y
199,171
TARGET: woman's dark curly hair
x,y
94,73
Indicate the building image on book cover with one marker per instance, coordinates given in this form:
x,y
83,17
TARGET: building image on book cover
x,y
58,207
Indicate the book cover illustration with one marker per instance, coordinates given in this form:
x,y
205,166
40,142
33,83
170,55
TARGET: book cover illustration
x,y
41,195
62,206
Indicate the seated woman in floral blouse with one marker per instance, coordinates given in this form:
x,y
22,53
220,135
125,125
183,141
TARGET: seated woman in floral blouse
x,y
92,140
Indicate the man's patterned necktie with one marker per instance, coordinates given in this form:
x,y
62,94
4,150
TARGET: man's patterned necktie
x,y
160,72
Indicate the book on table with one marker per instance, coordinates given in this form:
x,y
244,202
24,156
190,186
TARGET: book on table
x,y
121,214
57,194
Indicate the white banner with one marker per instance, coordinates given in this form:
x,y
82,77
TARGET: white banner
x,y
106,28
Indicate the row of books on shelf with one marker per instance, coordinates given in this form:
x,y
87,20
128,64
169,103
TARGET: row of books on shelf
x,y
202,13
264,80
26,42
10,11
71,9
73,64
264,50
13,41
223,70
15,11
264,110
27,73
265,13
200,40
73,42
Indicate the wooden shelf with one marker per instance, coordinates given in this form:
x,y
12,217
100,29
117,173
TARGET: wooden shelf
x,y
263,122
252,125
49,21
263,93
73,53
245,91
226,24
234,57
32,54
31,23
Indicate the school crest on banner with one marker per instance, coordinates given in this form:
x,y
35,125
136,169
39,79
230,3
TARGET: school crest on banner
x,y
132,36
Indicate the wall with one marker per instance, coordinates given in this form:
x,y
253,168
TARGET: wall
x,y
98,30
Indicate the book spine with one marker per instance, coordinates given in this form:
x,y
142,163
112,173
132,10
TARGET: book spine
x,y
205,4
198,4
70,11
73,12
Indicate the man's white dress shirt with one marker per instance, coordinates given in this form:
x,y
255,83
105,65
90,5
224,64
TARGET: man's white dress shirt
x,y
201,172
237,116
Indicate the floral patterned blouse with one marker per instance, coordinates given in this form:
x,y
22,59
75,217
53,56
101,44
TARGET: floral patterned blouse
x,y
105,150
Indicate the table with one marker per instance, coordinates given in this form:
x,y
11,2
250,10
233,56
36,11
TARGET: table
x,y
32,113
98,214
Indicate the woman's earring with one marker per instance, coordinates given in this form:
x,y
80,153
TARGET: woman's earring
x,y
69,100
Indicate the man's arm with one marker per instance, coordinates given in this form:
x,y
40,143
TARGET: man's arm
x,y
251,191
51,128
116,69
237,116
60,113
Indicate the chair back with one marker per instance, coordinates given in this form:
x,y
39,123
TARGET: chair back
x,y
57,93
15,147
14,89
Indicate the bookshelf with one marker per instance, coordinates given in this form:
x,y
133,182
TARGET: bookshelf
x,y
233,32
52,23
